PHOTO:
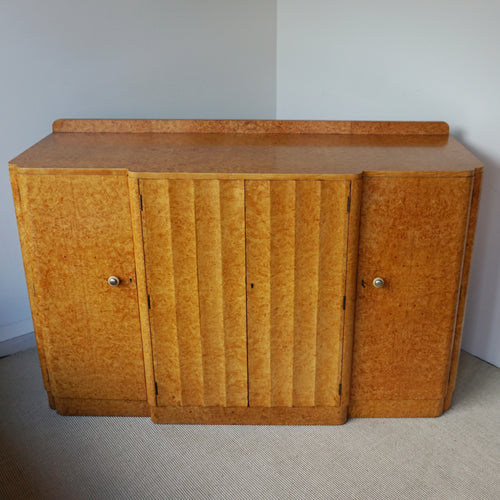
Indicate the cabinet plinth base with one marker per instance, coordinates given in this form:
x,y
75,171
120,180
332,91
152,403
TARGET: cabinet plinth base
x,y
313,415
249,415
396,408
101,407
52,402
307,415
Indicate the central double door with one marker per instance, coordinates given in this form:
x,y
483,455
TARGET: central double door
x,y
246,282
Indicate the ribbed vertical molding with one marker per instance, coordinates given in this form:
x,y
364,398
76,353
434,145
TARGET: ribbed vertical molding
x,y
296,273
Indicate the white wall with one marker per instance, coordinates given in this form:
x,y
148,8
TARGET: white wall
x,y
393,60
121,59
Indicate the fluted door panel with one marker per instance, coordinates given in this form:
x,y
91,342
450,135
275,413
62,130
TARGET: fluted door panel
x,y
194,238
296,236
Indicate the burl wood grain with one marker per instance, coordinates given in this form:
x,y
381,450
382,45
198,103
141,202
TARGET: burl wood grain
x,y
294,231
232,204
282,283
334,224
400,408
350,289
102,407
79,231
28,261
239,155
210,298
471,230
158,253
412,234
236,249
195,264
250,127
307,263
258,260
252,415
142,292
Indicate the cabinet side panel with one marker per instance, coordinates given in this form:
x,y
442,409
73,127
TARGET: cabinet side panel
x,y
81,231
476,191
282,291
27,251
157,235
210,287
258,256
232,202
333,239
307,230
183,227
412,234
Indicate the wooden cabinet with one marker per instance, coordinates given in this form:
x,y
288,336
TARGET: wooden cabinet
x,y
246,253
412,233
78,232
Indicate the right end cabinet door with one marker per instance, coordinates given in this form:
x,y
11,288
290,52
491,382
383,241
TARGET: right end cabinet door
x,y
412,235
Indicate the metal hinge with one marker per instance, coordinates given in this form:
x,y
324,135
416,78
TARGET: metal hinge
x,y
340,389
140,201
156,388
149,301
348,204
343,303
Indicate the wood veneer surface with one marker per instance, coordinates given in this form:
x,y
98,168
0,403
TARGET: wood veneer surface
x,y
79,231
399,408
250,154
142,292
296,256
251,126
28,261
253,415
101,407
243,220
350,292
471,230
412,234
194,236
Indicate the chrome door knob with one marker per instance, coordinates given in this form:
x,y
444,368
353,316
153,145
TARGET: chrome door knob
x,y
113,281
378,282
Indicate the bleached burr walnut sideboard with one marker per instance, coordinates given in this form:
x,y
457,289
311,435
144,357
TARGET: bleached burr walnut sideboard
x,y
226,271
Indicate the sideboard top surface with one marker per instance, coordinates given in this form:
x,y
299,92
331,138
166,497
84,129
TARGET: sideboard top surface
x,y
249,147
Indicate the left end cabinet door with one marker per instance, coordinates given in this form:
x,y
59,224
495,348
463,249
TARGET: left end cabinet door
x,y
79,231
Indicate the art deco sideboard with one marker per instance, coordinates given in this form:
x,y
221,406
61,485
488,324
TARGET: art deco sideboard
x,y
226,271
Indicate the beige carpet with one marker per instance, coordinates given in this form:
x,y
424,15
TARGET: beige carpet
x,y
44,455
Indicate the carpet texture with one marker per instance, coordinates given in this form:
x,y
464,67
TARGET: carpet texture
x,y
46,456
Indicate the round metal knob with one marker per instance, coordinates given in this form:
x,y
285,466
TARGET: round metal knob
x,y
113,281
378,282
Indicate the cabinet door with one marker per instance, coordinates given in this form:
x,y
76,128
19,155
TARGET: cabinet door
x,y
412,235
247,283
79,228
194,241
296,237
